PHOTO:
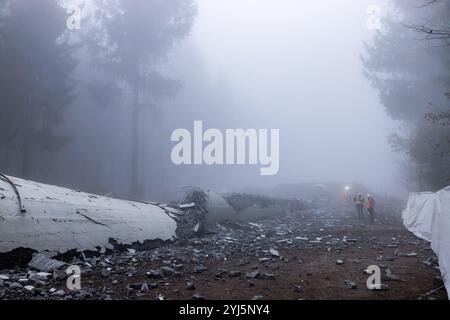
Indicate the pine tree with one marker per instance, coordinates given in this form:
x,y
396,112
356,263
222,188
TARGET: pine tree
x,y
411,71
135,41
35,81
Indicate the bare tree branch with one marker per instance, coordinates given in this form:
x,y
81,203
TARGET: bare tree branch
x,y
440,33
427,3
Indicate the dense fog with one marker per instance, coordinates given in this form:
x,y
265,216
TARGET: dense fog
x,y
94,107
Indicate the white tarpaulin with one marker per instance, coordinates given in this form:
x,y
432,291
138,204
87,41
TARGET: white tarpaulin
x,y
418,215
427,215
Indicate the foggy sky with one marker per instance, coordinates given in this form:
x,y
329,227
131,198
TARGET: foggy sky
x,y
287,64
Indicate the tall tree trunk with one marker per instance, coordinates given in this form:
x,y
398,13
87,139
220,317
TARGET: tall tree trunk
x,y
27,134
26,158
135,180
163,185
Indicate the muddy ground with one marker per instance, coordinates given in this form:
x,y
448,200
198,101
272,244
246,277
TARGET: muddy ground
x,y
302,255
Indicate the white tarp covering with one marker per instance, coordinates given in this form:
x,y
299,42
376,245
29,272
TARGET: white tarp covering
x,y
60,219
427,215
418,215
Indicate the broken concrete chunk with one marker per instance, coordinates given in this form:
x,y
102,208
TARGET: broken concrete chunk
x,y
29,288
200,269
267,276
252,275
274,252
39,277
105,273
234,274
154,274
4,277
186,205
429,262
14,286
350,284
58,293
390,276
59,275
220,273
197,296
190,286
82,295
243,262
298,288
167,271
380,287
197,226
438,281
179,267
42,263
144,287
411,255
135,286
153,285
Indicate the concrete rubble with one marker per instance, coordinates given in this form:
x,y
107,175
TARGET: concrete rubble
x,y
297,253
42,263
289,256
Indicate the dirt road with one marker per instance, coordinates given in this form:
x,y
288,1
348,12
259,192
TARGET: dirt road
x,y
309,245
313,254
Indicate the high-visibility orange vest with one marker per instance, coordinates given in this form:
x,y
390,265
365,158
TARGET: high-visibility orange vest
x,y
370,203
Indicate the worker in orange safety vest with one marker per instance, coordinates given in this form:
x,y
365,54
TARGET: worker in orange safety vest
x,y
370,205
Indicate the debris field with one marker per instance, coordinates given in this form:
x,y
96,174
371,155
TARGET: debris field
x,y
302,254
